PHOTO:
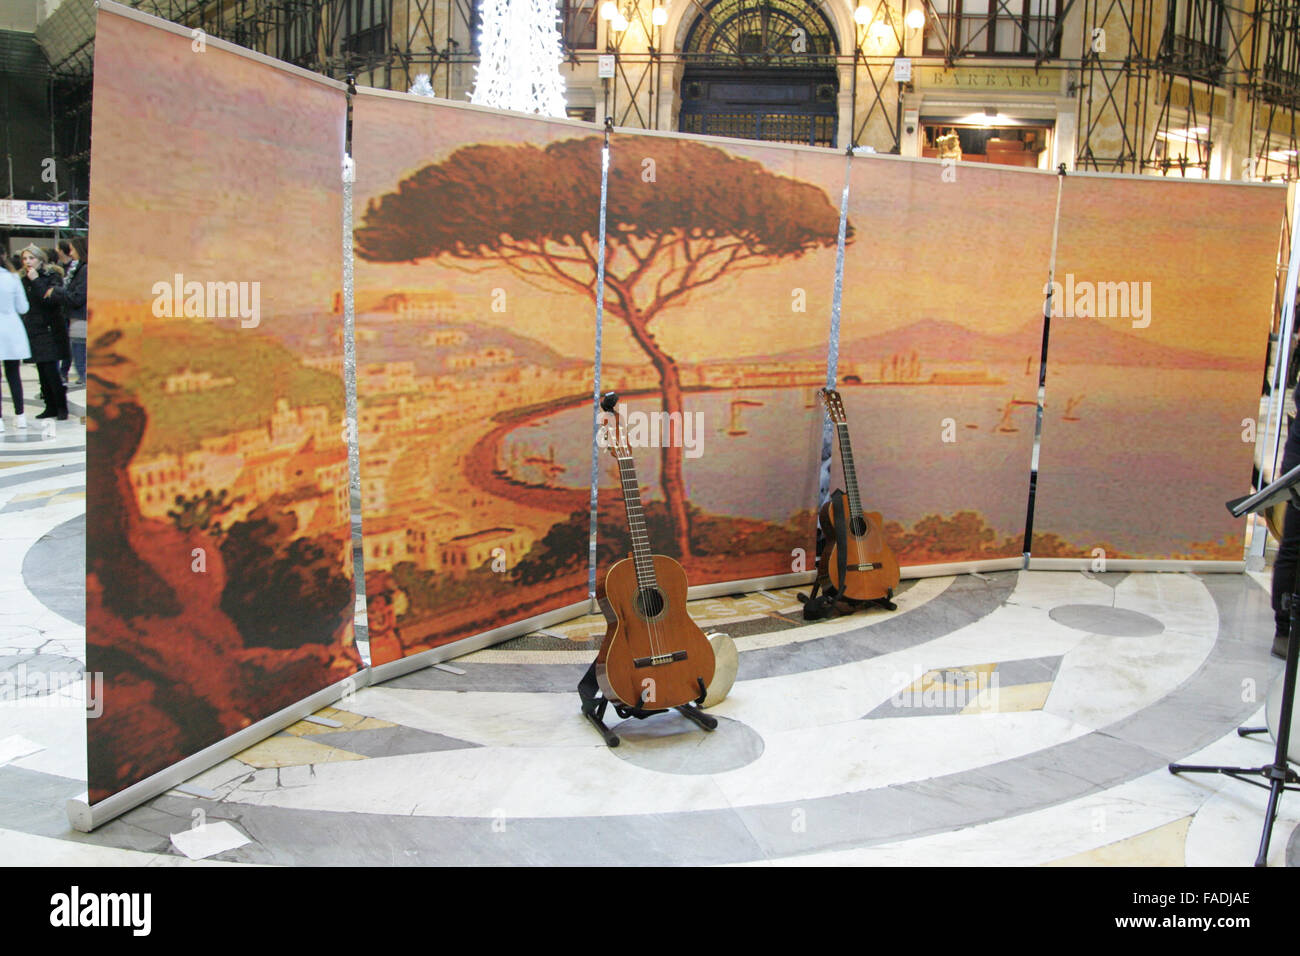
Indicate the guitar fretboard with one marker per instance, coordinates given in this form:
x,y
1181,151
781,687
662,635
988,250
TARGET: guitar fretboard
x,y
850,474
641,555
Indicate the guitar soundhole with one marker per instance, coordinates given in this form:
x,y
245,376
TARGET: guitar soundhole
x,y
649,603
859,526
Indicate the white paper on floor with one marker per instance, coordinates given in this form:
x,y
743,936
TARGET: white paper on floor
x,y
209,839
12,748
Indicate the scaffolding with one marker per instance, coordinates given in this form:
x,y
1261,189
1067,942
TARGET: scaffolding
x,y
1194,88
1171,82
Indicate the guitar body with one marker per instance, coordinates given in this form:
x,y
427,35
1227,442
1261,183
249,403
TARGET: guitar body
x,y
864,545
645,629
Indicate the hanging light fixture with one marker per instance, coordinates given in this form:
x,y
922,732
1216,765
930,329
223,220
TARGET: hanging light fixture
x,y
659,17
915,18
862,15
619,23
608,10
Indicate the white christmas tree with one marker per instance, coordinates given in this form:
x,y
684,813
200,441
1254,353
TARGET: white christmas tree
x,y
519,57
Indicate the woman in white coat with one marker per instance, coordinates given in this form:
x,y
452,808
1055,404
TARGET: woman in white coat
x,y
14,346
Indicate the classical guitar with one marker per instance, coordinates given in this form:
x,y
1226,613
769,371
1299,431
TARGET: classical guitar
x,y
653,656
870,568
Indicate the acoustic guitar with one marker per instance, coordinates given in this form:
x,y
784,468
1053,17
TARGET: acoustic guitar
x,y
653,656
870,568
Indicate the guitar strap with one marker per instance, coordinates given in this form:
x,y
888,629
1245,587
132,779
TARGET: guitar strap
x,y
841,535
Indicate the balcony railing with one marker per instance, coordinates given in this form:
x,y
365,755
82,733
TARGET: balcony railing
x,y
999,34
1195,58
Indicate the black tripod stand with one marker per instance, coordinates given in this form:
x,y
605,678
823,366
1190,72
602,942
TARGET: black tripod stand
x,y
1278,774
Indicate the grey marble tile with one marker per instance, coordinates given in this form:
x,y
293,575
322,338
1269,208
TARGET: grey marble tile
x,y
33,802
390,741
51,475
1110,621
54,570
78,451
313,838
528,678
1034,670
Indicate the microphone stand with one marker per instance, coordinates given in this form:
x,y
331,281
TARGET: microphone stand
x,y
1278,774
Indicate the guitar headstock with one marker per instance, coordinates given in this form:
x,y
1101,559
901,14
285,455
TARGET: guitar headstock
x,y
834,405
612,433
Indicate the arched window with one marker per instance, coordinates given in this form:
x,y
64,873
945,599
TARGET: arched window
x,y
762,69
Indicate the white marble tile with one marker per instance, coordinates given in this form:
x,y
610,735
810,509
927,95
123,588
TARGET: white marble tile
x,y
494,719
871,754
1049,589
919,594
57,724
1179,601
15,746
1012,632
1227,830
1103,679
492,783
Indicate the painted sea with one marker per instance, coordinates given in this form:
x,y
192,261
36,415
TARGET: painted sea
x,y
1132,439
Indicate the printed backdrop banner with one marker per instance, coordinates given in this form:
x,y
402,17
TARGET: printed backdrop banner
x,y
475,236
720,268
1156,355
939,351
219,584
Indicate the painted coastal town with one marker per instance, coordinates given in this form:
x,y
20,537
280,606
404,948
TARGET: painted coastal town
x,y
476,454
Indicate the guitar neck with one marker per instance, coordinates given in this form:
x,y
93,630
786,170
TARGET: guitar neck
x,y
850,473
641,554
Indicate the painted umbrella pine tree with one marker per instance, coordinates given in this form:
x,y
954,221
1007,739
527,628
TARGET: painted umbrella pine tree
x,y
685,221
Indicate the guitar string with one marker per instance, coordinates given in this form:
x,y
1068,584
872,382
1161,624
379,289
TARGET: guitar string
x,y
627,474
850,478
658,641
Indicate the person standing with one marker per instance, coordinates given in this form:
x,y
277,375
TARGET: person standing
x,y
72,297
46,331
14,346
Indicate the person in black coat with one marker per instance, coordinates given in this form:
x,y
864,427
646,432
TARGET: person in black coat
x,y
46,331
72,297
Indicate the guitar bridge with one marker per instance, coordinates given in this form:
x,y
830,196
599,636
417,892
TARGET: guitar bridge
x,y
658,659
865,567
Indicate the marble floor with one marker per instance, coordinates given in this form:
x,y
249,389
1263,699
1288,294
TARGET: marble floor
x,y
1012,718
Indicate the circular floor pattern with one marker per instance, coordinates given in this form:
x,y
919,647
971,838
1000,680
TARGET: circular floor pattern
x,y
1109,621
1196,713
671,743
54,570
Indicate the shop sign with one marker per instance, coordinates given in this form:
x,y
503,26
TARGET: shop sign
x,y
993,79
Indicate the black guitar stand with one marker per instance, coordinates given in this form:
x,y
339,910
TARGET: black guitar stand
x,y
830,603
594,704
1279,774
